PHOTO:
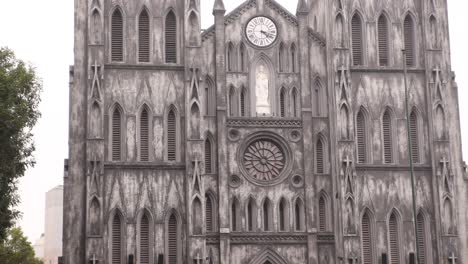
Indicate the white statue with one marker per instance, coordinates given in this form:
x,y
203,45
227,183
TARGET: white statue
x,y
262,91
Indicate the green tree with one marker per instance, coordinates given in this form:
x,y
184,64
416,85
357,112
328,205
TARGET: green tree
x,y
16,249
20,90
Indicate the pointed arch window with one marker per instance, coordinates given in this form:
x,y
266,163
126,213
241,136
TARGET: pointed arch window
x,y
344,116
144,246
117,37
267,215
283,102
361,133
210,96
283,213
282,58
116,244
448,217
383,38
409,38
170,34
172,240
251,215
144,36
96,27
243,57
243,102
414,135
197,221
144,135
440,126
366,236
194,29
293,58
339,30
356,37
171,136
421,229
319,157
387,137
318,100
117,134
230,57
209,162
235,216
393,235
322,214
299,214
433,32
295,102
209,213
95,217
232,101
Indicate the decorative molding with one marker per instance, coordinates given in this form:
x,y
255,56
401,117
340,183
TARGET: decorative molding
x,y
262,238
386,167
328,238
295,135
363,69
144,166
144,67
264,122
282,12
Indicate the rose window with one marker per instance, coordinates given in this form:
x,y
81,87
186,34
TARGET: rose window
x,y
264,160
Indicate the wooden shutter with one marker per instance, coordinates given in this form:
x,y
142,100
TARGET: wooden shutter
x,y
414,137
282,103
409,40
322,215
144,135
356,36
144,240
361,137
421,229
116,240
116,135
394,243
144,37
383,40
209,214
319,157
117,36
171,136
172,244
387,137
242,103
208,157
366,237
171,38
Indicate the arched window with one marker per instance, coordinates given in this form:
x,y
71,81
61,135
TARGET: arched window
x,y
322,214
267,215
117,134
283,102
230,57
172,240
243,57
144,135
209,213
251,213
232,101
361,133
366,237
433,32
170,33
117,37
197,221
144,240
210,96
394,239
414,135
96,27
383,40
282,58
299,214
235,216
208,156
356,36
144,37
283,215
171,136
95,217
409,36
344,122
448,217
243,102
387,136
339,30
318,98
319,157
293,58
295,102
421,228
440,125
117,245
194,29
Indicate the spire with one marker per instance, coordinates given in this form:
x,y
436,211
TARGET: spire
x,y
302,7
219,7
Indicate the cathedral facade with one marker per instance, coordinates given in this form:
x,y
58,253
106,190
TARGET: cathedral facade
x,y
268,138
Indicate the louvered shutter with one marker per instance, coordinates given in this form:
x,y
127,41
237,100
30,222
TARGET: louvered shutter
x,y
171,38
208,157
171,136
361,137
294,101
117,36
366,240
322,215
282,103
209,214
414,137
144,37
394,243
116,135
116,240
356,32
383,40
409,41
172,240
421,239
319,157
387,136
242,103
144,240
144,135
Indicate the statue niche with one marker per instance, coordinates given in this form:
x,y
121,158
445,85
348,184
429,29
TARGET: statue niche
x,y
262,79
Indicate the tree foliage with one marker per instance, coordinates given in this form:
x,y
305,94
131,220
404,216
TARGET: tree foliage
x,y
16,249
20,90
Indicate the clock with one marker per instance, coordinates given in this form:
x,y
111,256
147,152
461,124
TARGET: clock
x,y
261,31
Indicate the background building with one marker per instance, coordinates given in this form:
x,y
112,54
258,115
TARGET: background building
x,y
53,225
39,247
269,138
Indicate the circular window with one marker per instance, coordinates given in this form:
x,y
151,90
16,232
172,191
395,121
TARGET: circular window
x,y
264,159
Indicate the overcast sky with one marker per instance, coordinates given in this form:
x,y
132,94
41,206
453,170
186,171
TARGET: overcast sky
x,y
41,32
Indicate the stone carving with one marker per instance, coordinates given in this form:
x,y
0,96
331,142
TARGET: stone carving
x,y
264,160
262,86
263,123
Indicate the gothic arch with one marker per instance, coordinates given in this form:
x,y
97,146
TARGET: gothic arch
x,y
283,214
95,121
117,235
321,154
267,215
440,123
171,36
363,135
339,30
117,34
263,59
318,97
357,38
144,34
116,132
172,138
173,245
145,235
211,198
299,214
410,39
194,31
448,216
230,57
295,102
197,216
210,97
96,26
433,30
210,154
144,132
424,236
394,222
345,125
268,255
94,217
368,236
384,32
244,101
416,132
251,214
282,57
283,102
350,227
293,52
324,209
195,121
388,135
235,215
232,100
243,57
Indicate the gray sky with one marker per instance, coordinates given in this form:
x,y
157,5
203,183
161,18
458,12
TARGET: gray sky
x,y
41,32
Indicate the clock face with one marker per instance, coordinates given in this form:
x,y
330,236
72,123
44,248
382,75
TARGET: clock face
x,y
261,31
